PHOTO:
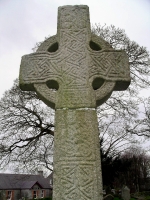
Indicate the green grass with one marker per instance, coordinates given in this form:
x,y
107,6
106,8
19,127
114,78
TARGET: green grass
x,y
147,198
116,198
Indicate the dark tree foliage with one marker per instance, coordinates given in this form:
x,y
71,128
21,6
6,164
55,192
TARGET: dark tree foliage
x,y
112,167
137,174
131,168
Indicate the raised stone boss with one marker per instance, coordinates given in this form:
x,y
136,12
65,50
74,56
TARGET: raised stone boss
x,y
74,72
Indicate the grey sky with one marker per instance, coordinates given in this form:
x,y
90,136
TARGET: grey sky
x,y
25,22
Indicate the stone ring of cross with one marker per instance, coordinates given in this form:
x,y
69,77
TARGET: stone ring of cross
x,y
78,67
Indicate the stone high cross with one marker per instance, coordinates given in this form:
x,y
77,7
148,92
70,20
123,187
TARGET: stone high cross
x,y
74,72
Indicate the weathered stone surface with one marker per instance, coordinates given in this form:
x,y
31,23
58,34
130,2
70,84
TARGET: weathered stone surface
x,y
74,72
77,172
68,60
125,193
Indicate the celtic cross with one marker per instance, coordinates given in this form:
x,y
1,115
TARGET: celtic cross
x,y
74,72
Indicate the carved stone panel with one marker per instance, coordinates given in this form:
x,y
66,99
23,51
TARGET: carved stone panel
x,y
77,172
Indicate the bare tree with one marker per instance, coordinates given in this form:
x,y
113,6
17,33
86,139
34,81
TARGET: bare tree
x,y
138,55
120,116
26,130
126,102
141,126
27,125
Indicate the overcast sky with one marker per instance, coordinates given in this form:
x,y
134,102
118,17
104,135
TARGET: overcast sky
x,y
25,22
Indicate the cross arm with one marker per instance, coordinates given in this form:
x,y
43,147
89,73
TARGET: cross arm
x,y
38,68
109,71
111,65
39,71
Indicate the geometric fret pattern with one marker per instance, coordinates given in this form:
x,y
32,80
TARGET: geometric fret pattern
x,y
82,189
109,66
